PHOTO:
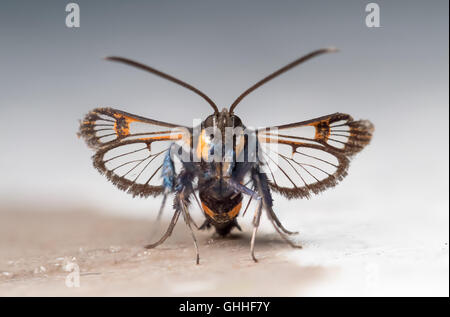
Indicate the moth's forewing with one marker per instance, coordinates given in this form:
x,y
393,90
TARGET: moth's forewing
x,y
313,155
130,149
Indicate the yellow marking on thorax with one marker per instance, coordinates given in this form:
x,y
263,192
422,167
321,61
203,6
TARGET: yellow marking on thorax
x,y
202,150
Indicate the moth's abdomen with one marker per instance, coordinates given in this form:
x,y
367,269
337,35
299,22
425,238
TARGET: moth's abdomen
x,y
220,210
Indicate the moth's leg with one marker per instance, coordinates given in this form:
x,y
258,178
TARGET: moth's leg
x,y
239,188
184,190
201,208
245,190
263,193
187,218
158,218
278,223
172,224
266,191
262,186
282,234
257,217
256,220
161,209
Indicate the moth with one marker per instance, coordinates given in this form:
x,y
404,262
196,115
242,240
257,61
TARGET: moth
x,y
219,162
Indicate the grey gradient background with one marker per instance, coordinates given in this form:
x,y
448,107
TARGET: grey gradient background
x,y
395,75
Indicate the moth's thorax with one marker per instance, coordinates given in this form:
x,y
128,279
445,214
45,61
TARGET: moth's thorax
x,y
220,141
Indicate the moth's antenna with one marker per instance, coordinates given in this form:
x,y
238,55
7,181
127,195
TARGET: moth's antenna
x,y
165,76
279,72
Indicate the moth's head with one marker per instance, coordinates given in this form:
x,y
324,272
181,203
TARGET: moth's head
x,y
222,120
